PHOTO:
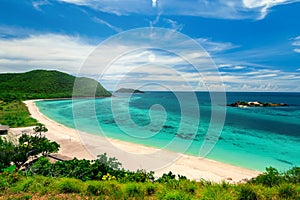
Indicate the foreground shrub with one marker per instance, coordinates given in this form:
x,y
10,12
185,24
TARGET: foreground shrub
x,y
150,188
188,186
272,177
287,191
67,185
269,178
174,195
134,190
247,192
293,175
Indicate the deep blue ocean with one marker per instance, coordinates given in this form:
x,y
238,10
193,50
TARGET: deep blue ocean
x,y
253,137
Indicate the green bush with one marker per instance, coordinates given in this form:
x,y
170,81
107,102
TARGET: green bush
x,y
212,191
114,190
150,188
98,188
4,184
269,178
68,185
272,177
293,175
175,195
166,177
134,190
287,191
188,186
247,192
93,190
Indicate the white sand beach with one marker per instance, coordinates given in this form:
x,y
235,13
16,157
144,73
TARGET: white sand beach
x,y
133,156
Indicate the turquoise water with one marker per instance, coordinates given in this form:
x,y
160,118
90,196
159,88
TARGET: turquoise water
x,y
254,138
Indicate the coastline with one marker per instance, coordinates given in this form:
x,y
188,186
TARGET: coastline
x,y
133,156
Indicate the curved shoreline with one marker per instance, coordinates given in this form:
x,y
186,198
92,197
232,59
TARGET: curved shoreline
x,y
72,145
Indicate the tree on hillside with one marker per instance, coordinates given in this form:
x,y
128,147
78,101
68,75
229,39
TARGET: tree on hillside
x,y
6,151
28,146
40,129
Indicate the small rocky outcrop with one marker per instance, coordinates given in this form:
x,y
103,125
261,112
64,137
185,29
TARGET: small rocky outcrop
x,y
255,104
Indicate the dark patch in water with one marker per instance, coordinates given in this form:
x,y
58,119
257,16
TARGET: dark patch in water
x,y
109,121
185,136
284,161
167,126
238,145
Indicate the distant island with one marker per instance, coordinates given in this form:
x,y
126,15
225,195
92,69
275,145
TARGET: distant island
x,y
243,104
128,90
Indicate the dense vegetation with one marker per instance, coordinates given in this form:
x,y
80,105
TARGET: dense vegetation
x,y
25,176
41,84
15,114
26,185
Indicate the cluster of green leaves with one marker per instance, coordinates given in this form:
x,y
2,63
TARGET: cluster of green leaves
x,y
15,114
27,147
103,168
41,84
272,177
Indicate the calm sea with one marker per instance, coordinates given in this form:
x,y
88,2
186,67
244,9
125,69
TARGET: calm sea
x,y
253,137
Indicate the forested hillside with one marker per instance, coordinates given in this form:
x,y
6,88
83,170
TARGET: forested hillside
x,y
40,84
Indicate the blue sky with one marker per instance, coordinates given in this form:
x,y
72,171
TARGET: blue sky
x,y
254,43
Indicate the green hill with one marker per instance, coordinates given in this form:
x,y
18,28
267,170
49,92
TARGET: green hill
x,y
41,84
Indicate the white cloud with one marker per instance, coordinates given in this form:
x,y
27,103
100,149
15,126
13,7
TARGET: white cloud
x,y
117,7
296,44
48,51
174,24
239,67
11,31
224,65
231,67
231,9
79,2
265,5
154,3
98,20
260,79
297,50
215,47
38,4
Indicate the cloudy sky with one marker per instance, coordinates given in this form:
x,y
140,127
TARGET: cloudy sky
x,y
255,44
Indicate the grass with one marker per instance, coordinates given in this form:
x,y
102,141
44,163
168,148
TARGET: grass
x,y
18,186
15,114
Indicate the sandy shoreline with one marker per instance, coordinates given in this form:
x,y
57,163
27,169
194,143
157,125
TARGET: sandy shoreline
x,y
133,156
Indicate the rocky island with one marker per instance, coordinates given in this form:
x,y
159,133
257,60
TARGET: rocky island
x,y
243,104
